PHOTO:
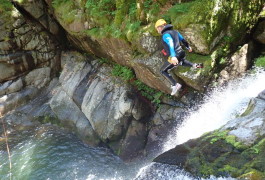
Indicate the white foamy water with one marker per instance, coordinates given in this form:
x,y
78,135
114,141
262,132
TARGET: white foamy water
x,y
157,171
222,105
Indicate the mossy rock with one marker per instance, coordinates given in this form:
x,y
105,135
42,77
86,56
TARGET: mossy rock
x,y
220,154
6,7
66,10
6,19
253,175
196,78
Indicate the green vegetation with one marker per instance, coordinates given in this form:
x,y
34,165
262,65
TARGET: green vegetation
x,y
220,154
101,11
119,19
262,13
104,61
230,15
58,3
128,75
49,119
206,60
151,94
183,14
122,71
66,9
260,62
127,19
5,6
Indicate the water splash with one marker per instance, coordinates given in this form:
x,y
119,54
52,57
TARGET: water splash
x,y
222,105
157,171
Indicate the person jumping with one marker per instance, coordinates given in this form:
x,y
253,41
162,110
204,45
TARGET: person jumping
x,y
173,51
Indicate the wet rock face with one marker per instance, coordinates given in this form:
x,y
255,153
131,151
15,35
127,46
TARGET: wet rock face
x,y
251,124
108,105
98,106
37,10
27,48
29,58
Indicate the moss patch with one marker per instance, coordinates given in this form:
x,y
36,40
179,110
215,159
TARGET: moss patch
x,y
196,58
128,19
260,62
66,9
220,154
183,14
49,119
5,5
6,10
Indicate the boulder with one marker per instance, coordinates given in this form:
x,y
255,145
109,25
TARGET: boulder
x,y
75,69
148,70
148,44
250,125
11,101
193,34
71,116
38,77
108,106
240,63
98,105
11,87
27,48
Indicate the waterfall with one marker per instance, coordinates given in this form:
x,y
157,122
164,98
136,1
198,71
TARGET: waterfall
x,y
222,105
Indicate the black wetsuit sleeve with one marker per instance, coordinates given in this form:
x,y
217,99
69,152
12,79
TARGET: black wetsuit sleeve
x,y
186,44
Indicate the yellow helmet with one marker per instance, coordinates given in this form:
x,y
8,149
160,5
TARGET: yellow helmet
x,y
160,22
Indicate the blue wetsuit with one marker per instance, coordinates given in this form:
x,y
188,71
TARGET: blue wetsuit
x,y
171,41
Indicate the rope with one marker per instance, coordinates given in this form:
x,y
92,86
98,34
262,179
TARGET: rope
x,y
7,147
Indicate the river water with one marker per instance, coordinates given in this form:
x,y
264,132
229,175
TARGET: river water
x,y
47,152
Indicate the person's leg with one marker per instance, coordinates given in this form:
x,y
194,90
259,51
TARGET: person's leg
x,y
182,60
165,72
186,63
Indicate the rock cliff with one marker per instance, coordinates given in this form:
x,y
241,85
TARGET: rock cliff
x,y
53,68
